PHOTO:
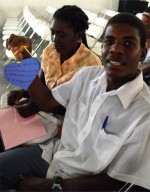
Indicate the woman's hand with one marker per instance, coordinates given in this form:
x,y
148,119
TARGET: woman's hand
x,y
14,97
16,44
26,108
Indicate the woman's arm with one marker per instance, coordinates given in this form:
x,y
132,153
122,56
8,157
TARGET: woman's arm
x,y
43,97
41,76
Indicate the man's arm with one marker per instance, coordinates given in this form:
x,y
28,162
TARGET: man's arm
x,y
100,182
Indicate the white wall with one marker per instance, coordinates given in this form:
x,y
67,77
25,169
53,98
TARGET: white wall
x,y
11,8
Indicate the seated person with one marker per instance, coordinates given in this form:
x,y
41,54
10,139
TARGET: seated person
x,y
61,59
106,134
145,65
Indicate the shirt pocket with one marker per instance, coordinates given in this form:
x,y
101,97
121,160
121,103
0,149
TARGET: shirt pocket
x,y
106,146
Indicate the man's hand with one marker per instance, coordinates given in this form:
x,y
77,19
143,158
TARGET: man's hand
x,y
26,108
16,44
100,182
34,184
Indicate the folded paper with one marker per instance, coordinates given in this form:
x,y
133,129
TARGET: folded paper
x,y
16,130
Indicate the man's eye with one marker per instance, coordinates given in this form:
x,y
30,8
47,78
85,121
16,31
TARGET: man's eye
x,y
128,43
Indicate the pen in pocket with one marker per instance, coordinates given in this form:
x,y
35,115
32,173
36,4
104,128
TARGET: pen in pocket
x,y
105,123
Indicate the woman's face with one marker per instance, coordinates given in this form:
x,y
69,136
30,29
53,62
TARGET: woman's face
x,y
64,37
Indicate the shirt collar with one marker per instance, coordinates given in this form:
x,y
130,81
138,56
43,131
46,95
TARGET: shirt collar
x,y
124,94
128,91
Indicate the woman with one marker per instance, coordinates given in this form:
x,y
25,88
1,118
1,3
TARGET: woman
x,y
60,61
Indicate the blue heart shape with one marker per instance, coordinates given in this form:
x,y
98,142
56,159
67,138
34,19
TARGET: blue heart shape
x,y
22,74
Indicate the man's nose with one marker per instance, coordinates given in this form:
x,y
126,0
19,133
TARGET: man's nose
x,y
117,48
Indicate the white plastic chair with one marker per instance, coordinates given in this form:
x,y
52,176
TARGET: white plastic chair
x,y
39,27
13,23
14,28
49,14
50,10
107,13
99,21
97,48
93,34
92,17
14,19
86,12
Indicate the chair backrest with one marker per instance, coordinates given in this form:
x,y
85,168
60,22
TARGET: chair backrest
x,y
94,31
50,9
92,17
49,14
99,21
107,13
86,12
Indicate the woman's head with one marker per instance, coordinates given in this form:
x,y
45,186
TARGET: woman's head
x,y
69,26
74,16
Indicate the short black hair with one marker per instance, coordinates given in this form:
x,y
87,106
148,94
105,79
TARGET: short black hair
x,y
130,19
75,17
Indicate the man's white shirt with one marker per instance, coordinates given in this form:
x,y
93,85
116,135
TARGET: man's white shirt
x,y
123,146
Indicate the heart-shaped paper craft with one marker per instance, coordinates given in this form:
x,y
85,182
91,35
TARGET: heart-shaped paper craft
x,y
22,74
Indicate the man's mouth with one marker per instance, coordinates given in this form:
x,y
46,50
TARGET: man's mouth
x,y
115,63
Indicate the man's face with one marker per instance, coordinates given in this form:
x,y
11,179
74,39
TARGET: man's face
x,y
146,21
121,52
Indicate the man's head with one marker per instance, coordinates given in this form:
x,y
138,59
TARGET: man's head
x,y
123,47
68,27
146,21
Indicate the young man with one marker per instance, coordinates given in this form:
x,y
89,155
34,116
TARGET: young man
x,y
106,132
145,65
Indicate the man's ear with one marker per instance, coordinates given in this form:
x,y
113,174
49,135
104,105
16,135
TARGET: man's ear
x,y
143,54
